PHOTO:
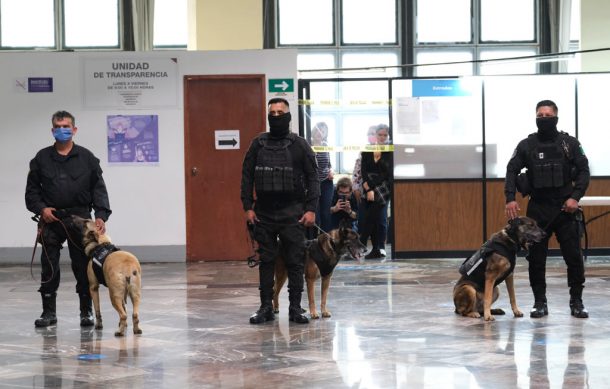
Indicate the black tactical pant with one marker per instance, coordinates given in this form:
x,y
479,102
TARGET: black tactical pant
x,y
52,238
566,229
282,223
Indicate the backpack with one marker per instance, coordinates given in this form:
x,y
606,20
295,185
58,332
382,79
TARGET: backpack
x,y
273,171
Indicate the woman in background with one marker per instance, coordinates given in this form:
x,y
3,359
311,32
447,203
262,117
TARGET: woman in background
x,y
319,137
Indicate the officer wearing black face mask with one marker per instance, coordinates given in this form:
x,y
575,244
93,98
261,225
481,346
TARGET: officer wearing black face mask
x,y
558,175
281,168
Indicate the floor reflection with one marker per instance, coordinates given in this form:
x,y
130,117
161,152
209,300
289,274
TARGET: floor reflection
x,y
393,326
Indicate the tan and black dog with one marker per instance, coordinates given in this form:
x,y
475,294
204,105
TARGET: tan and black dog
x,y
321,257
477,289
120,271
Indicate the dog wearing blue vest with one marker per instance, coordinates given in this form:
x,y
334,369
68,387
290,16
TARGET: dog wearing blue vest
x,y
493,263
117,269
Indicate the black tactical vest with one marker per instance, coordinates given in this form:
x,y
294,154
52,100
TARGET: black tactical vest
x,y
273,172
473,268
549,163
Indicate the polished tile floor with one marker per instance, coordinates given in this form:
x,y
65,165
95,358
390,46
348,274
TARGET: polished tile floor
x,y
392,326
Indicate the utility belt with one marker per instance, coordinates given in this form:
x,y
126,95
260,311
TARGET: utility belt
x,y
554,201
63,213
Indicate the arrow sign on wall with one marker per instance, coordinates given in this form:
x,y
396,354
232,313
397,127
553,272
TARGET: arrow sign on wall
x,y
226,139
281,85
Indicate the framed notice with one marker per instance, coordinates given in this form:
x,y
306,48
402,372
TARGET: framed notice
x,y
133,138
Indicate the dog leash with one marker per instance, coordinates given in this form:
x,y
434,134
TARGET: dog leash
x,y
40,235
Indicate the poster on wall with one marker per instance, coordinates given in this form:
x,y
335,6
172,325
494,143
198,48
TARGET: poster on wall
x,y
133,138
141,83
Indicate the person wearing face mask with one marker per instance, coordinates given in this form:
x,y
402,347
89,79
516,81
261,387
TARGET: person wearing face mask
x,y
64,179
280,167
557,177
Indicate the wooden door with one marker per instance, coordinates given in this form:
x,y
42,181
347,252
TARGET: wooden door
x,y
215,222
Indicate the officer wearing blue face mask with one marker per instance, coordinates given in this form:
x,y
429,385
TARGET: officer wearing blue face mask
x,y
64,179
557,177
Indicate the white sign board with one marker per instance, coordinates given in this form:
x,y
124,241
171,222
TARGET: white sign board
x,y
140,83
226,139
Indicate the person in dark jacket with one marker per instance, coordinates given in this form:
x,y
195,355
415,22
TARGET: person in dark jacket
x,y
557,177
281,168
376,168
64,179
344,212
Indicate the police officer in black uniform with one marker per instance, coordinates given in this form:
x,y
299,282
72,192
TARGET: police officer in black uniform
x,y
64,179
281,167
557,176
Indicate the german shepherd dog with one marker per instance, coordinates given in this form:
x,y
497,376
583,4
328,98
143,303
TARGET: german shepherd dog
x,y
477,289
321,257
121,271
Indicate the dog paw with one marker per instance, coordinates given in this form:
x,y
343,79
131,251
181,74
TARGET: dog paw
x,y
326,314
137,331
276,310
314,315
490,318
518,313
474,315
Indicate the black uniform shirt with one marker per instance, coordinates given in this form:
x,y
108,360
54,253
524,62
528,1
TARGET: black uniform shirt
x,y
70,181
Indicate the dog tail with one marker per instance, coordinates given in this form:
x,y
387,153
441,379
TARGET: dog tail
x,y
131,289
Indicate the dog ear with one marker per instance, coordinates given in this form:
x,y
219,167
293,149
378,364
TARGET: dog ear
x,y
515,222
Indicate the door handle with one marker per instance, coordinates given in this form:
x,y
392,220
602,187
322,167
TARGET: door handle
x,y
194,171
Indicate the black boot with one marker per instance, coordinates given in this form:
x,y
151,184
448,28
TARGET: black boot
x,y
577,308
295,312
264,313
48,316
539,310
86,311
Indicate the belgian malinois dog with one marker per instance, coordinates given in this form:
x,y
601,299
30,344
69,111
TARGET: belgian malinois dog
x,y
120,270
321,257
494,262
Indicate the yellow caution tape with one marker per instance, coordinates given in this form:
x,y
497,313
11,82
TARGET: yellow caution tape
x,y
382,148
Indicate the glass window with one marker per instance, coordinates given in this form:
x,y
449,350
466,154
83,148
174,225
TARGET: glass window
x,y
171,27
359,59
592,103
437,128
366,21
305,24
436,56
350,108
517,66
443,21
510,111
27,23
575,21
91,23
503,21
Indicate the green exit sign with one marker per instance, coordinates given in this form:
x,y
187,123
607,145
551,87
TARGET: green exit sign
x,y
281,85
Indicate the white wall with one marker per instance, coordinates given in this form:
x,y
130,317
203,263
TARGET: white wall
x,y
148,202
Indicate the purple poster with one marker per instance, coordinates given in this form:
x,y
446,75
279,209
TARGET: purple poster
x,y
133,138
